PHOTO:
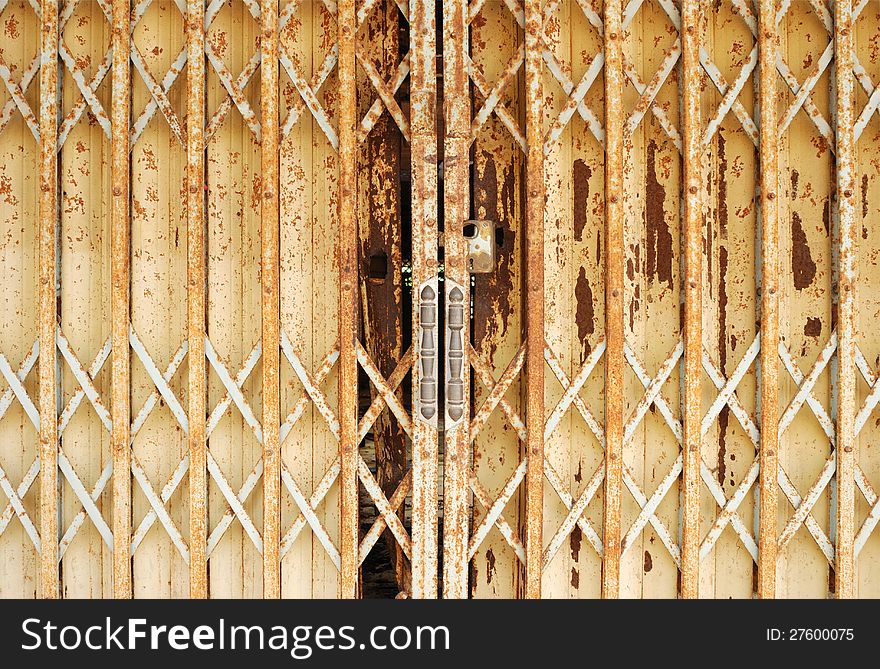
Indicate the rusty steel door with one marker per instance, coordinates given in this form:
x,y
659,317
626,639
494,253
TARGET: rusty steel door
x,y
674,364
499,298
205,248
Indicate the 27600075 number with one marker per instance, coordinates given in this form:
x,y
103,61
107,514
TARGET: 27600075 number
x,y
811,634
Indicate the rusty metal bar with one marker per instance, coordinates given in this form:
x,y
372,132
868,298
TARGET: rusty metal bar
x,y
348,300
120,234
47,307
456,207
423,162
271,314
693,312
614,307
844,575
534,298
768,45
195,312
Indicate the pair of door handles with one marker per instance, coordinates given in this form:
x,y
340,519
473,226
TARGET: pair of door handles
x,y
481,260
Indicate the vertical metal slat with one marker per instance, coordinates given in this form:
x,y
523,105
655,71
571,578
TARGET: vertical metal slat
x,y
195,263
768,44
534,298
270,305
120,300
423,142
456,206
47,299
693,326
348,300
844,575
614,313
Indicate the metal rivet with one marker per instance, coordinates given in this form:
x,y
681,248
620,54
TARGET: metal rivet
x,y
771,196
692,190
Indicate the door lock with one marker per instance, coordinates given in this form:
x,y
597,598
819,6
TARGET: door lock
x,y
480,236
481,246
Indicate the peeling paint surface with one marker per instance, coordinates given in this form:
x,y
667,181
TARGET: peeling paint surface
x,y
213,221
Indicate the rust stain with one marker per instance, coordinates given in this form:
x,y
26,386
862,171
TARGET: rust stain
x,y
11,28
6,191
649,563
492,313
722,217
637,293
659,256
813,327
802,265
575,578
581,183
575,539
219,42
584,313
826,216
631,262
490,565
140,211
722,185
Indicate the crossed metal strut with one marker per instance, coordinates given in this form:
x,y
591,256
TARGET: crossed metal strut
x,y
158,499
728,506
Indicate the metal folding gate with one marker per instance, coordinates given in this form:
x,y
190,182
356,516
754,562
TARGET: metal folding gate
x,y
523,295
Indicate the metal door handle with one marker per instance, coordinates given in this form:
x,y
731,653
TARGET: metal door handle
x,y
454,352
428,353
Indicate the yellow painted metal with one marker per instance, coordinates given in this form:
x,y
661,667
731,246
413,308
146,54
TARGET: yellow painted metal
x,y
673,363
